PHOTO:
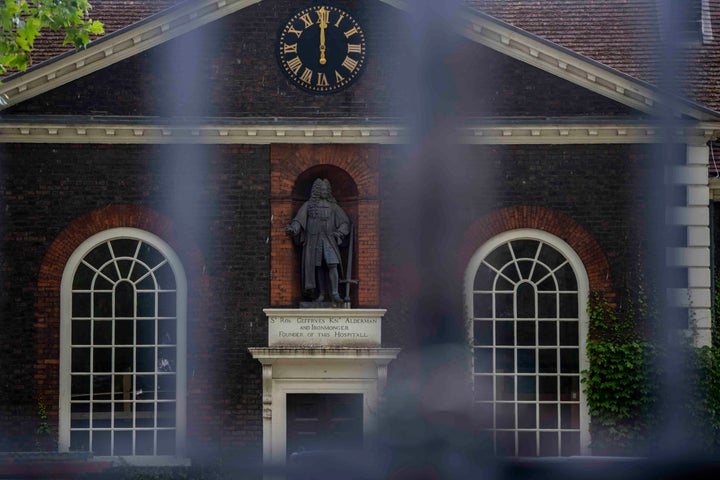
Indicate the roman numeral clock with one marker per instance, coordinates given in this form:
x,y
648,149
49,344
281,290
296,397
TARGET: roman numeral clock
x,y
322,49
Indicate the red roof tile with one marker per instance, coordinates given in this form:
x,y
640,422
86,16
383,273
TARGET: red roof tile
x,y
622,34
115,14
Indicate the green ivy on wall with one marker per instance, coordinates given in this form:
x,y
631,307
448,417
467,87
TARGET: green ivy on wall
x,y
622,381
44,439
618,384
707,377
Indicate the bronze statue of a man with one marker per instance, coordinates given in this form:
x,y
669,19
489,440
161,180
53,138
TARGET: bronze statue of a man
x,y
320,227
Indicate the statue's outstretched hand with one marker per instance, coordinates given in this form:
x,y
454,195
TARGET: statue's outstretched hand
x,y
338,237
290,231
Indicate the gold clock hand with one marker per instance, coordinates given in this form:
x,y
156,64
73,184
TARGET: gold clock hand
x,y
322,44
323,17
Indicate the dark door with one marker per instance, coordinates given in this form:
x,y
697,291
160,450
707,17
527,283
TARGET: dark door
x,y
324,421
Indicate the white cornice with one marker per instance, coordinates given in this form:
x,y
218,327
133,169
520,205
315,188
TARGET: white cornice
x,y
585,133
527,133
117,47
538,54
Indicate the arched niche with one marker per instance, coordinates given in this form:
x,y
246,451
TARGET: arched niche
x,y
345,191
344,188
353,173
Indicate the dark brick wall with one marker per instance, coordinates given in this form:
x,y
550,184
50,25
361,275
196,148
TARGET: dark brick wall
x,y
598,186
218,197
229,68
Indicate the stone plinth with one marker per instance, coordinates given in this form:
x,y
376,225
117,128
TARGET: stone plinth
x,y
324,327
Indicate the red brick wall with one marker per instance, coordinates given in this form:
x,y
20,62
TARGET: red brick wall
x,y
287,164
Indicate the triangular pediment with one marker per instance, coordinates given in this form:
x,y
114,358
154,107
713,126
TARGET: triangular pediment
x,y
506,40
201,75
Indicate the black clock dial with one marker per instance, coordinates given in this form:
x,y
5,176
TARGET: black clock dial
x,y
322,49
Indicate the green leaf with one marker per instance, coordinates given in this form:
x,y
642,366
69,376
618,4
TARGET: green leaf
x,y
22,21
96,28
22,42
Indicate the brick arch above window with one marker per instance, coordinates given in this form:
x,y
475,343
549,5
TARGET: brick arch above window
x,y
545,219
47,305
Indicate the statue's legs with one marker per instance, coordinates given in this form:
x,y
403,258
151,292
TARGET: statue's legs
x,y
331,261
334,282
321,284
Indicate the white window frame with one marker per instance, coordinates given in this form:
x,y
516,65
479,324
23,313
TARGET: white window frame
x,y
181,343
583,292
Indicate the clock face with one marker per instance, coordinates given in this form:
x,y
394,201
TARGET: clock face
x,y
322,49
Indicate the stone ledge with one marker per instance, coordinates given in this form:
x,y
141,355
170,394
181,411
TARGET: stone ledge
x,y
264,353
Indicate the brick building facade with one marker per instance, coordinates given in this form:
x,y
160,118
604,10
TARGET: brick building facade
x,y
182,126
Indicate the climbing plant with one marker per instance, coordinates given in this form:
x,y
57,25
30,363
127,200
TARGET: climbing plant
x,y
43,433
706,403
618,384
623,379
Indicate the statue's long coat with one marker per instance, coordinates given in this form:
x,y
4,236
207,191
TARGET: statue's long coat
x,y
312,231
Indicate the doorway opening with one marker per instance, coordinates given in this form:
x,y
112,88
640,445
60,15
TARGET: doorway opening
x,y
324,421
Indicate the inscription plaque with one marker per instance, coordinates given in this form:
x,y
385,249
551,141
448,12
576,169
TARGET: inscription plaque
x,y
324,327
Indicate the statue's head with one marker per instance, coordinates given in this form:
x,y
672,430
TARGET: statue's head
x,y
321,189
317,188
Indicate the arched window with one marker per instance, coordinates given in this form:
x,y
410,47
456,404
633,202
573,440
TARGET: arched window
x,y
123,344
526,294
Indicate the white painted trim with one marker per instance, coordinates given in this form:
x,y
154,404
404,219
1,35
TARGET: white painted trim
x,y
698,236
695,258
181,335
693,174
523,47
583,295
212,133
698,257
698,195
582,133
317,370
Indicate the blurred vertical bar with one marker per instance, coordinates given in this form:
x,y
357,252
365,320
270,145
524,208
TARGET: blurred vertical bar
x,y
678,238
441,438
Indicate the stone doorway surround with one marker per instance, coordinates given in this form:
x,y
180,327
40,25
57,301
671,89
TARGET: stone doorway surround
x,y
296,363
